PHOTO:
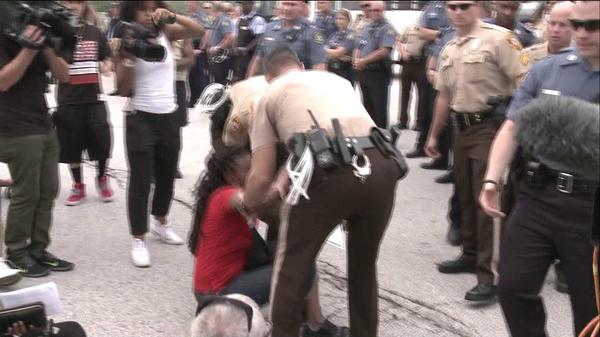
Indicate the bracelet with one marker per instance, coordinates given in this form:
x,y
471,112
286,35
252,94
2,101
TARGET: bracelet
x,y
490,181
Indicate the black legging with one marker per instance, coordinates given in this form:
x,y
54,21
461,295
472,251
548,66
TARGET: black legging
x,y
152,149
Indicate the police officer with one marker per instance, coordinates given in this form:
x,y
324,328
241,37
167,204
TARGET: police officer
x,y
481,61
198,76
220,39
412,60
251,26
372,60
432,23
506,16
340,47
325,19
362,20
547,223
294,31
558,30
365,199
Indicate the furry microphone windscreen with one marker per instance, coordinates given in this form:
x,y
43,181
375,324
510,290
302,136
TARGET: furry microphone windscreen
x,y
562,133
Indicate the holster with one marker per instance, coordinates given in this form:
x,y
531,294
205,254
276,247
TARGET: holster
x,y
385,141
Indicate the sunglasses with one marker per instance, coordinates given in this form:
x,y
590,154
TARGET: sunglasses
x,y
462,7
590,26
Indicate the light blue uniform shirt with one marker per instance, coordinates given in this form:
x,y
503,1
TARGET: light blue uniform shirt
x,y
376,35
305,40
221,26
565,74
434,16
325,24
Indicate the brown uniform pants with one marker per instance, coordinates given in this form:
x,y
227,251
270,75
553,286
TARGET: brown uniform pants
x,y
471,149
334,196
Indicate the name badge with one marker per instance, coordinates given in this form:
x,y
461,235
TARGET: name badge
x,y
551,92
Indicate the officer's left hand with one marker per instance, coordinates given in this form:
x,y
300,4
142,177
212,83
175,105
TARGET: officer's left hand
x,y
488,198
359,64
431,148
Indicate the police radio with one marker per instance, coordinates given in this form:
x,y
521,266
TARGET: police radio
x,y
320,145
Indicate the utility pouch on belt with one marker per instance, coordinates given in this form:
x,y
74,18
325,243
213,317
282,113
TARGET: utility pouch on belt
x,y
385,142
296,145
499,106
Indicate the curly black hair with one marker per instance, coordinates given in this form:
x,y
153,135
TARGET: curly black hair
x,y
217,124
218,163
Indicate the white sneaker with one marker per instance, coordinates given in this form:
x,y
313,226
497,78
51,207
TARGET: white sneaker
x,y
165,233
140,256
8,275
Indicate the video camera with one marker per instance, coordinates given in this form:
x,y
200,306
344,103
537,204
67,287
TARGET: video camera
x,y
58,23
135,39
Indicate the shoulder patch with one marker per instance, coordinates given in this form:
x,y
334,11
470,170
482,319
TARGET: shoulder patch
x,y
524,58
319,38
513,41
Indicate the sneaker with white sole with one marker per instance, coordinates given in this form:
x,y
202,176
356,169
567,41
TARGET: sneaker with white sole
x,y
140,256
8,275
165,233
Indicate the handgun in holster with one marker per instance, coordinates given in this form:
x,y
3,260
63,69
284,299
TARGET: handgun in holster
x,y
385,141
499,106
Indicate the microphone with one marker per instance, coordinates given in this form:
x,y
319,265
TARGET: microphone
x,y
563,134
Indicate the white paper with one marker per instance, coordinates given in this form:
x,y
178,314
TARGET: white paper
x,y
337,238
46,293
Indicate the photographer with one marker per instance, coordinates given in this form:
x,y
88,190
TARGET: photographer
x,y
81,118
151,131
28,144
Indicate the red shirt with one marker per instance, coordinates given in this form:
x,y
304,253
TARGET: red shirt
x,y
223,243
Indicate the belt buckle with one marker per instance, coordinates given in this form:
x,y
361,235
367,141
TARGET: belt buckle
x,y
564,183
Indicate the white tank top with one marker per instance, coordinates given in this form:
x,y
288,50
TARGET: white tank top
x,y
154,83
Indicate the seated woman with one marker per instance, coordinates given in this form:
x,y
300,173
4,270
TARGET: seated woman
x,y
222,238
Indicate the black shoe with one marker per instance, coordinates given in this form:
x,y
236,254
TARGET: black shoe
x,y
560,284
327,329
454,236
459,265
482,292
178,174
29,267
402,126
52,262
416,153
447,178
434,165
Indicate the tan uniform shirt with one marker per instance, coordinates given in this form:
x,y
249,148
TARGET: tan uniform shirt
x,y
410,38
244,95
486,63
536,52
360,24
283,109
177,47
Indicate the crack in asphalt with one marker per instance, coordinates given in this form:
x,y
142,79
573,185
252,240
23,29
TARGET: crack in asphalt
x,y
421,310
418,308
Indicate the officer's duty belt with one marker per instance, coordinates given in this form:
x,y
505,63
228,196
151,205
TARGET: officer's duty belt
x,y
464,120
538,174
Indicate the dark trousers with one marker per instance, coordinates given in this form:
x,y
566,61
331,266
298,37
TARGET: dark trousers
x,y
219,72
374,86
198,78
304,228
152,142
33,165
412,73
455,212
545,225
471,149
444,139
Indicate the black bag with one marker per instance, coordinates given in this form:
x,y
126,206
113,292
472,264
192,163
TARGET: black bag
x,y
31,314
260,254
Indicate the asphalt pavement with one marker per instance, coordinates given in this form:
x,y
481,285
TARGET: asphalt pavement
x,y
112,298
